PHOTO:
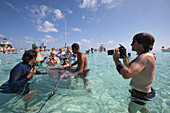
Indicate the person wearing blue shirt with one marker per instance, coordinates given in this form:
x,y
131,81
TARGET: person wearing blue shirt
x,y
21,74
61,53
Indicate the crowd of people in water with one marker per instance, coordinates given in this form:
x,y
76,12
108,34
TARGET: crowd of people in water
x,y
141,70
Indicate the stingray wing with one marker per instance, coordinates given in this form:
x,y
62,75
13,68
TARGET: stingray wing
x,y
65,72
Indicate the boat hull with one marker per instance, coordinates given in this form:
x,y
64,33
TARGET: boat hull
x,y
165,50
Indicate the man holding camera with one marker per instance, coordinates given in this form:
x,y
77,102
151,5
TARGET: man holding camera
x,y
141,70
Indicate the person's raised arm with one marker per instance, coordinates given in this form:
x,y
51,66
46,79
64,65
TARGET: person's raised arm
x,y
136,67
126,62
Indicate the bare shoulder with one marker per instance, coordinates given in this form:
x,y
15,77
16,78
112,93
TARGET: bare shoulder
x,y
147,57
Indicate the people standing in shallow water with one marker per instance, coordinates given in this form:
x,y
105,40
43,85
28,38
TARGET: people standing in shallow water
x,y
141,70
81,62
21,74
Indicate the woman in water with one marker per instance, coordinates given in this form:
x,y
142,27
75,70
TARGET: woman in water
x,y
39,59
53,60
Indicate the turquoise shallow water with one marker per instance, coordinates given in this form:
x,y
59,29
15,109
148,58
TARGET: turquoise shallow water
x,y
106,91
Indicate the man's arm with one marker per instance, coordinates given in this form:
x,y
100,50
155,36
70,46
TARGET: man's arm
x,y
126,62
74,63
136,67
81,64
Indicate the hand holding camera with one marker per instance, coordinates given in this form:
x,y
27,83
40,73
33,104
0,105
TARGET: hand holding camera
x,y
122,51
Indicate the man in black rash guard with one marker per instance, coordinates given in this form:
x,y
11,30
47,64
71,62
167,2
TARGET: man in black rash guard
x,y
21,74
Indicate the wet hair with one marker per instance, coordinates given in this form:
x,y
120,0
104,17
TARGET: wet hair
x,y
28,55
146,40
75,46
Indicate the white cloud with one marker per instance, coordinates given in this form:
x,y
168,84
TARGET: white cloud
x,y
69,11
110,42
47,24
52,40
106,1
2,36
92,19
94,4
111,3
48,36
58,14
43,40
41,12
77,29
29,42
48,40
12,6
47,27
86,41
89,4
83,17
28,38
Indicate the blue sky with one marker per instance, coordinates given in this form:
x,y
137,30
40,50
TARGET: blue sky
x,y
88,22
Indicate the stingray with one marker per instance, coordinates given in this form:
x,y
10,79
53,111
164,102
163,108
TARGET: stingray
x,y
64,71
60,73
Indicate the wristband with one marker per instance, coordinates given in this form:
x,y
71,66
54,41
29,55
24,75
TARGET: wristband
x,y
120,66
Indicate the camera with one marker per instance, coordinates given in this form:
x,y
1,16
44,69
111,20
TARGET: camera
x,y
122,51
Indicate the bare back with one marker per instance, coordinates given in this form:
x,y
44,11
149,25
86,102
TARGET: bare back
x,y
82,62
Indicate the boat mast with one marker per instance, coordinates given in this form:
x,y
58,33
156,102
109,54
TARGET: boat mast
x,y
65,30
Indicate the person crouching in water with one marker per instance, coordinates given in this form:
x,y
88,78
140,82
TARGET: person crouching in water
x,y
53,60
65,61
141,70
21,74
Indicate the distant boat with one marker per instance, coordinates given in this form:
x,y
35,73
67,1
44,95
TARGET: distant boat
x,y
6,44
102,48
165,50
43,45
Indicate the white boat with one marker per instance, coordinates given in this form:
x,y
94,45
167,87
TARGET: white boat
x,y
165,50
102,48
43,45
6,44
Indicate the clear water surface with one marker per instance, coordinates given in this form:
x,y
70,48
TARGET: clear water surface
x,y
106,91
